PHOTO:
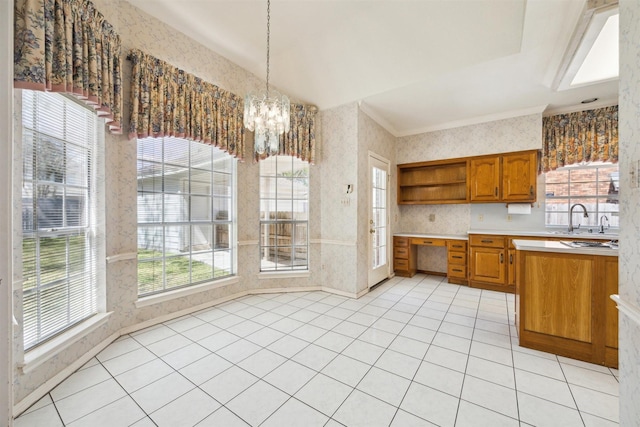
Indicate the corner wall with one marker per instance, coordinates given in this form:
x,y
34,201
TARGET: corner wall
x,y
339,211
629,270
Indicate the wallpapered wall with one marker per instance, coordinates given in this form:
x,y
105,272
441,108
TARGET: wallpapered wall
x,y
372,138
629,279
501,136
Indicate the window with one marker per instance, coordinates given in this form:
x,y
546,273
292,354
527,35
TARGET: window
x,y
596,186
186,214
284,213
60,217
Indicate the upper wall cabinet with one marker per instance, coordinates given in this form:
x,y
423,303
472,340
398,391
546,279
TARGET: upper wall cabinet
x,y
436,182
508,177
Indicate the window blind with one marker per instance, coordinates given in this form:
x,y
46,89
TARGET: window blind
x,y
59,244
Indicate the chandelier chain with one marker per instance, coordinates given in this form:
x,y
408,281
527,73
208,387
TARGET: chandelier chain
x,y
268,37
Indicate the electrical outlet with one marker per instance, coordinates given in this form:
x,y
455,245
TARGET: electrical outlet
x,y
432,217
509,218
480,218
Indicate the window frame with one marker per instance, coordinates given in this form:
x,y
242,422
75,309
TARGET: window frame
x,y
600,198
186,196
76,308
268,250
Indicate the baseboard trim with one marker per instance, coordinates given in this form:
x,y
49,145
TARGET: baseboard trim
x,y
50,384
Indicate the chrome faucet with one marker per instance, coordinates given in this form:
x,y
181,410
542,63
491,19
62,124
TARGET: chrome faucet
x,y
586,215
602,225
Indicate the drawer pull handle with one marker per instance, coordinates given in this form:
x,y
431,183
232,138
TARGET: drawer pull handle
x,y
427,242
456,257
501,258
486,241
457,270
511,259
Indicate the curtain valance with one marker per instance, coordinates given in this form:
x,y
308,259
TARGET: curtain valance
x,y
67,46
584,136
166,101
300,141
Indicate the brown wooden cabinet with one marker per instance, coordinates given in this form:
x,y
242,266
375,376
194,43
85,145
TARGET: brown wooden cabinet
x,y
437,182
484,179
562,305
506,177
610,279
457,261
488,262
519,176
404,257
510,177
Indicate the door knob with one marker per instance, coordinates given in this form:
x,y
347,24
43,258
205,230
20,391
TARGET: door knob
x,y
372,231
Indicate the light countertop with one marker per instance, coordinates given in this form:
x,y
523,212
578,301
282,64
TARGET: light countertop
x,y
559,247
578,235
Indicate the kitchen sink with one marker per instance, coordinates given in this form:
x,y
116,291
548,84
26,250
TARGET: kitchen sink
x,y
590,244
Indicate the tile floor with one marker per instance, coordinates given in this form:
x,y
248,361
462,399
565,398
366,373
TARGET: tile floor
x,y
413,352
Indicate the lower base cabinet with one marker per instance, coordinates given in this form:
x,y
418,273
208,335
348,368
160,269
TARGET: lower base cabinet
x,y
563,305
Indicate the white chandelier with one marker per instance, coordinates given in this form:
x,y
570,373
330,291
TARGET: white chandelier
x,y
267,112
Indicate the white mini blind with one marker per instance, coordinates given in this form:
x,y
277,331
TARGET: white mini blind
x,y
59,138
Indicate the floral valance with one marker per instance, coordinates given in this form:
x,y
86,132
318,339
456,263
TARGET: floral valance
x,y
67,46
300,141
584,136
166,101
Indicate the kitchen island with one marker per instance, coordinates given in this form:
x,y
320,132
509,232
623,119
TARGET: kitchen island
x,y
562,299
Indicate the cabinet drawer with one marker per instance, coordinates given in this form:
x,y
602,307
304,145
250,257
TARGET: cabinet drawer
x,y
401,264
427,242
457,245
486,241
458,271
457,258
400,241
401,252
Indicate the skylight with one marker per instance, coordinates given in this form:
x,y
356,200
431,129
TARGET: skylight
x,y
595,58
601,63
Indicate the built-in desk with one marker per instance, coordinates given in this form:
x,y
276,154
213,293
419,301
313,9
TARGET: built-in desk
x,y
405,254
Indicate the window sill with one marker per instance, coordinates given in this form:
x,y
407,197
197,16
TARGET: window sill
x,y
266,275
35,357
183,292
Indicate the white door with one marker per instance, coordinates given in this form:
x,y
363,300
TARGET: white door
x,y
379,233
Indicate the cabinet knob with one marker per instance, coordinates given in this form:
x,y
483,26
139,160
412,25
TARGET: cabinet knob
x,y
511,259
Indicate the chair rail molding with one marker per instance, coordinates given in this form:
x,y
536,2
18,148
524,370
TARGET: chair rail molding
x,y
628,309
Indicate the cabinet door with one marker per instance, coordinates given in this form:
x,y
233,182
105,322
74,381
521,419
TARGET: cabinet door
x,y
611,312
511,267
519,175
484,180
488,265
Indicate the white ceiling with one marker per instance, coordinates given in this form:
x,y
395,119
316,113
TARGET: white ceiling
x,y
415,65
